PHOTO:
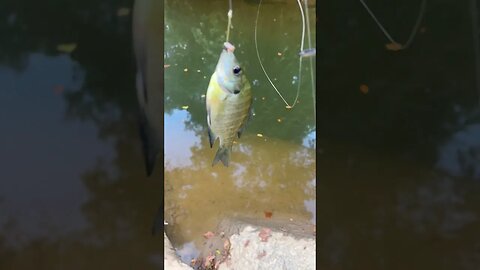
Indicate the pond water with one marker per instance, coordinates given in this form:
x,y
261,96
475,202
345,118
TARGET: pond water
x,y
73,189
272,168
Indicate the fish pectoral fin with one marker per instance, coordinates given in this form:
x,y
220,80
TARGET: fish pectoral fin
x,y
244,125
211,137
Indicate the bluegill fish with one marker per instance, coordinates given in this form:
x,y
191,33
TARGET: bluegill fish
x,y
229,103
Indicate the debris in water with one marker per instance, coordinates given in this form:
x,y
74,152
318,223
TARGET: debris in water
x,y
264,234
186,69
208,235
268,214
67,47
202,96
393,46
279,54
166,66
259,135
364,88
185,107
279,120
209,261
226,245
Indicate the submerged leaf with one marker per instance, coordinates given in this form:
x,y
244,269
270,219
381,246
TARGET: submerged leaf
x,y
393,46
364,88
66,47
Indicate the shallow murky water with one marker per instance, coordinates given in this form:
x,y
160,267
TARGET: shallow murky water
x,y
73,190
274,172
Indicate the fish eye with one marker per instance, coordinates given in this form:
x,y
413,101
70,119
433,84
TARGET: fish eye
x,y
237,70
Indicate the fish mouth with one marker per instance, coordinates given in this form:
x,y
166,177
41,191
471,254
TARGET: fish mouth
x,y
228,47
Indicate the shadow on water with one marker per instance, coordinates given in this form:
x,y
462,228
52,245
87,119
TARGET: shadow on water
x,y
73,189
398,164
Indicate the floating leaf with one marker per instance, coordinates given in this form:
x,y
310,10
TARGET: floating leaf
x,y
66,47
208,235
393,46
364,88
264,234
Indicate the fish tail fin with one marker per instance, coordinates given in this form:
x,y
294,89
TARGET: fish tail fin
x,y
223,154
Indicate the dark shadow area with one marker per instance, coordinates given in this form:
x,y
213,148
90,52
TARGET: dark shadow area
x,y
398,161
118,203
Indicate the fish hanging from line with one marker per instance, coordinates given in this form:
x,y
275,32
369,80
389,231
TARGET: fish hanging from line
x,y
229,103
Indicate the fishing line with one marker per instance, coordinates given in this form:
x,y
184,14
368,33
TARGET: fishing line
x,y
414,30
300,58
310,59
229,15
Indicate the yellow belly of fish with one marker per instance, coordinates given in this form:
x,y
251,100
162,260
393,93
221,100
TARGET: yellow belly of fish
x,y
231,116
